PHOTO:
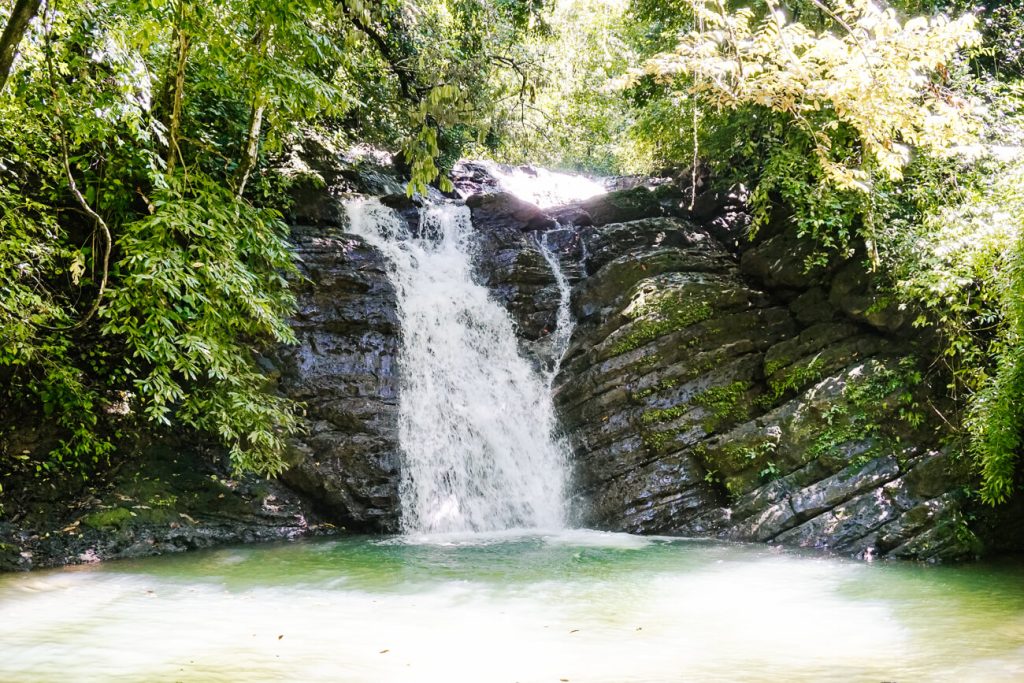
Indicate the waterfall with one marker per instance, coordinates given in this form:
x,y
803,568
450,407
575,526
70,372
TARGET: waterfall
x,y
476,422
563,321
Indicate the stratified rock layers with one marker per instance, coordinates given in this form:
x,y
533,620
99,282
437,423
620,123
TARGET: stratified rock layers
x,y
710,393
344,372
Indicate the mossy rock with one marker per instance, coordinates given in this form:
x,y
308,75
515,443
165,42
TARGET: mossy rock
x,y
625,205
670,302
10,557
114,518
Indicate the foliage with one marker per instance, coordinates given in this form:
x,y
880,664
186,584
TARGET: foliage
x,y
572,119
142,263
853,102
454,72
201,275
958,261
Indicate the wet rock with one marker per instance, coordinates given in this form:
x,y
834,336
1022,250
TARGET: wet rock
x,y
629,205
473,178
343,370
800,504
501,212
173,495
509,260
636,238
912,516
819,350
407,207
718,391
662,351
574,216
628,182
322,174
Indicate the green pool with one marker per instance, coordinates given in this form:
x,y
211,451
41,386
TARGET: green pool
x,y
567,606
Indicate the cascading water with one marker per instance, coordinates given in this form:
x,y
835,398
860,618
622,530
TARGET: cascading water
x,y
563,321
476,422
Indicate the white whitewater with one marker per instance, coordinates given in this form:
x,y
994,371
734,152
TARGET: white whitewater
x,y
563,321
542,187
476,422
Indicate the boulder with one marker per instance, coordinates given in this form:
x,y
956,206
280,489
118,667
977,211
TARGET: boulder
x,y
853,293
783,262
631,204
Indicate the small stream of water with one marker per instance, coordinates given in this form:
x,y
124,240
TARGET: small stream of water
x,y
564,323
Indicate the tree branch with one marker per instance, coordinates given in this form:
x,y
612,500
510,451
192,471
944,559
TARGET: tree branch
x,y
405,78
107,237
17,25
250,152
181,40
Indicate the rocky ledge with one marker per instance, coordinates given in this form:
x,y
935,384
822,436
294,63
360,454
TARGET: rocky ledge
x,y
168,495
717,387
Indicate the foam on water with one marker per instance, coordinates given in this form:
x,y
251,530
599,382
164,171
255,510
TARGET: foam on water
x,y
584,538
599,610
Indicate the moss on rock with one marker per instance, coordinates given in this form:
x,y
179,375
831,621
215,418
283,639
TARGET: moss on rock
x,y
666,315
114,518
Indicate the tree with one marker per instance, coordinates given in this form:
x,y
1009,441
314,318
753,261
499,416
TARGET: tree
x,y
23,12
858,98
143,258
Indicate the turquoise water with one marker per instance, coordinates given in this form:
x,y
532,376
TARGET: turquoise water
x,y
576,606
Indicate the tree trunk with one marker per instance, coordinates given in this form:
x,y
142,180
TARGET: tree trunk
x,y
250,151
17,25
174,129
252,144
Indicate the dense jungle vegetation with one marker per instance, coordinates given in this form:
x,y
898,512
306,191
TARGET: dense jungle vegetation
x,y
143,257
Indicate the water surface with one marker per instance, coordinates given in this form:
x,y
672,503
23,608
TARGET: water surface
x,y
577,606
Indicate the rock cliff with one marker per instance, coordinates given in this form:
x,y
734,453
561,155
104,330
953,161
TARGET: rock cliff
x,y
715,387
343,371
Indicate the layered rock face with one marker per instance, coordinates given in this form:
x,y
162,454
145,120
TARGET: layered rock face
x,y
742,396
343,371
344,368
